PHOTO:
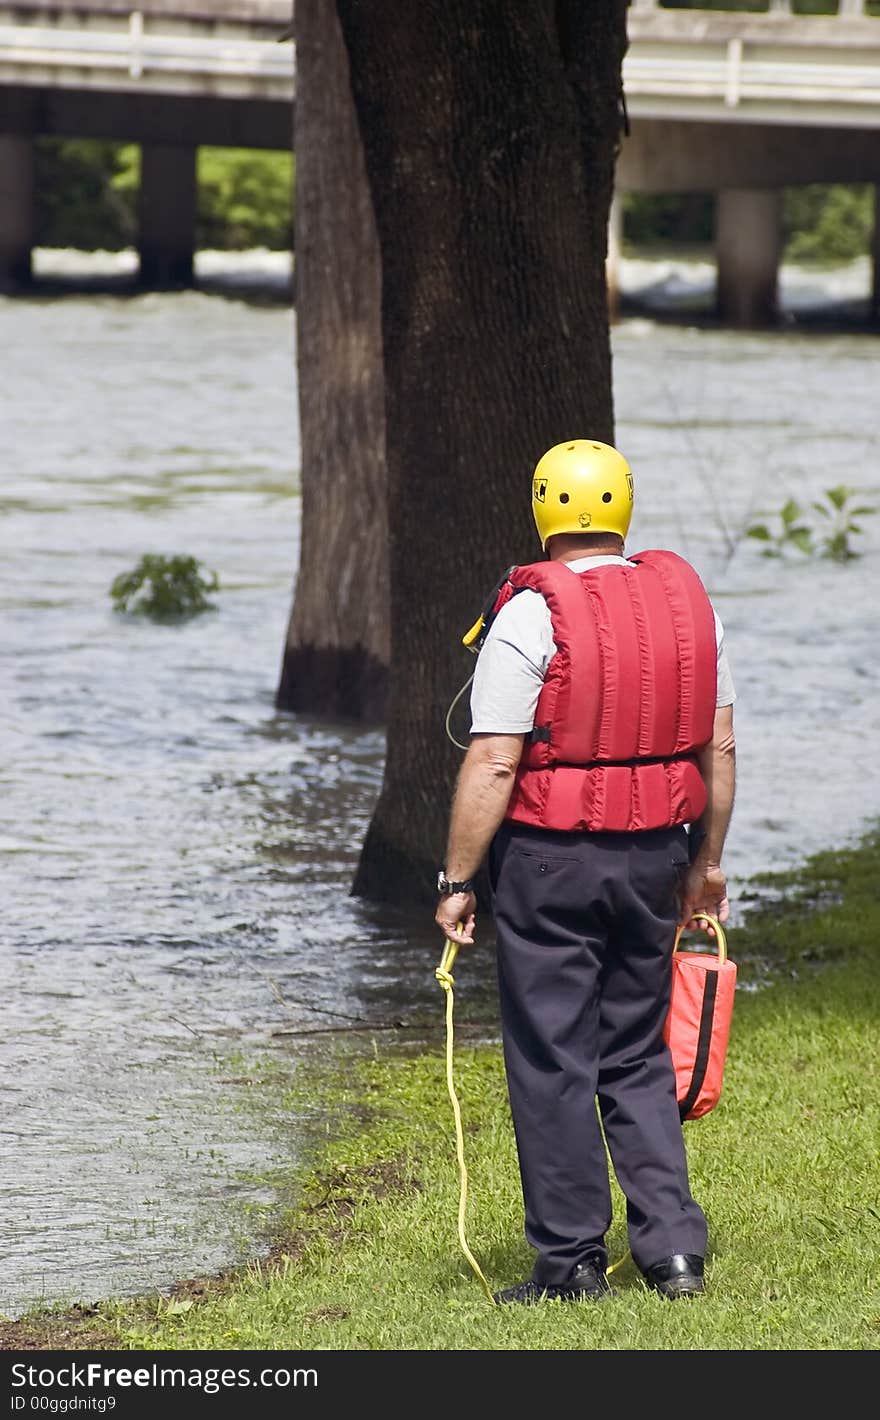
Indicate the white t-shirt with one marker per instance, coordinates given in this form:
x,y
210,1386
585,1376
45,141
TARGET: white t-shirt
x,y
514,658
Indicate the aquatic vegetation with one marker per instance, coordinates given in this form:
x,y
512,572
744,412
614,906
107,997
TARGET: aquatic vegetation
x,y
829,537
838,525
164,588
785,531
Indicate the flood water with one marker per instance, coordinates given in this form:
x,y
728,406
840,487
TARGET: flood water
x,y
176,855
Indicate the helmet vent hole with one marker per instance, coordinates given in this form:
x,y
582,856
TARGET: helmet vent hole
x,y
563,497
606,497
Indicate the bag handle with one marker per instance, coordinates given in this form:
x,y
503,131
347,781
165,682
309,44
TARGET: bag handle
x,y
717,928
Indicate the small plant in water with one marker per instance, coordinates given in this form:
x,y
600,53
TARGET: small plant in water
x,y
164,588
838,526
787,530
830,537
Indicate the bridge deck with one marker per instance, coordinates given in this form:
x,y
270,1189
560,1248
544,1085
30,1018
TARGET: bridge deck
x,y
692,66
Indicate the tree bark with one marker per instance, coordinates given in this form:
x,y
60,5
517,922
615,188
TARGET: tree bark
x,y
490,133
337,651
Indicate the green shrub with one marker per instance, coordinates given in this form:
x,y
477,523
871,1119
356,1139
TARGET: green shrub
x,y
164,588
821,223
88,192
245,199
673,219
82,197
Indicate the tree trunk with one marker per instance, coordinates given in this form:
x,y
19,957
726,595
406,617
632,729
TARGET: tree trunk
x,y
336,656
490,133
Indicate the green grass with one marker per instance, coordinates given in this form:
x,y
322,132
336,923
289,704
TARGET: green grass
x,y
786,1168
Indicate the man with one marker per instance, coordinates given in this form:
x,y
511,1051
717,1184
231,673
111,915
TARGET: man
x,y
600,780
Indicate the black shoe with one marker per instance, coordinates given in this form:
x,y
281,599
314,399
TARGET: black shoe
x,y
586,1283
678,1276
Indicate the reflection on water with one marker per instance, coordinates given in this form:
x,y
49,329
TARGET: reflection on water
x,y
177,855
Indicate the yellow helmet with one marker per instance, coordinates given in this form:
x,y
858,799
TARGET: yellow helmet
x,y
582,486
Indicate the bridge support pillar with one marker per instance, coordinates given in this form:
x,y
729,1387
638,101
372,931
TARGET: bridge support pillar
x,y
167,215
747,251
16,211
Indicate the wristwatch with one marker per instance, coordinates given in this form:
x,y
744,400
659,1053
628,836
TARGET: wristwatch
x,y
445,887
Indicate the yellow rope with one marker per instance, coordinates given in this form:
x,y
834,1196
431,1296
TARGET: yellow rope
x,y
619,1263
444,976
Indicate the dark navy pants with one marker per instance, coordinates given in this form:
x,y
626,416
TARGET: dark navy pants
x,y
585,926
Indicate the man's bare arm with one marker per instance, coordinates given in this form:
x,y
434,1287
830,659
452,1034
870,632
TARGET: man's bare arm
x,y
705,885
482,793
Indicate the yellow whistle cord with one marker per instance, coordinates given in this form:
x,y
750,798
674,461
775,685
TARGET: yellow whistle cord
x,y
445,977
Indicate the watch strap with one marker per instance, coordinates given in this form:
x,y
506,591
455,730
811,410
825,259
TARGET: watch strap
x,y
447,886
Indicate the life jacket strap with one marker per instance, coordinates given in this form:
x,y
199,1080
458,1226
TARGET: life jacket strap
x,y
541,735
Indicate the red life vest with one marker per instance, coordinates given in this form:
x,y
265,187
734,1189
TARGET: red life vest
x,y
628,697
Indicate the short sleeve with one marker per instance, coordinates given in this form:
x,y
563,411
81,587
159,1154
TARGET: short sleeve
x,y
511,667
725,694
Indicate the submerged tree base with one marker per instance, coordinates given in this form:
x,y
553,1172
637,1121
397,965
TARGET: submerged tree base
x,y
344,682
387,874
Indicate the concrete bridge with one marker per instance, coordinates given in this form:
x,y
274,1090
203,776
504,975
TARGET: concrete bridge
x,y
740,104
743,105
171,75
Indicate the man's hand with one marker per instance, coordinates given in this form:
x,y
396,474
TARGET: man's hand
x,y
456,916
704,890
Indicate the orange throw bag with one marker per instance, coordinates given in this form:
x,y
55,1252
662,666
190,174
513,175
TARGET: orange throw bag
x,y
698,1025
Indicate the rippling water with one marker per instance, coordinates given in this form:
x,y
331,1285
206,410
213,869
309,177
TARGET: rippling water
x,y
176,855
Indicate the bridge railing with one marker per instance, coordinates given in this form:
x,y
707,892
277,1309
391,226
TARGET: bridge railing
x,y
774,65
776,7
133,52
734,76
274,14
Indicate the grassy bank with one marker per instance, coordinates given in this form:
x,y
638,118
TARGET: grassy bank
x,y
786,1168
